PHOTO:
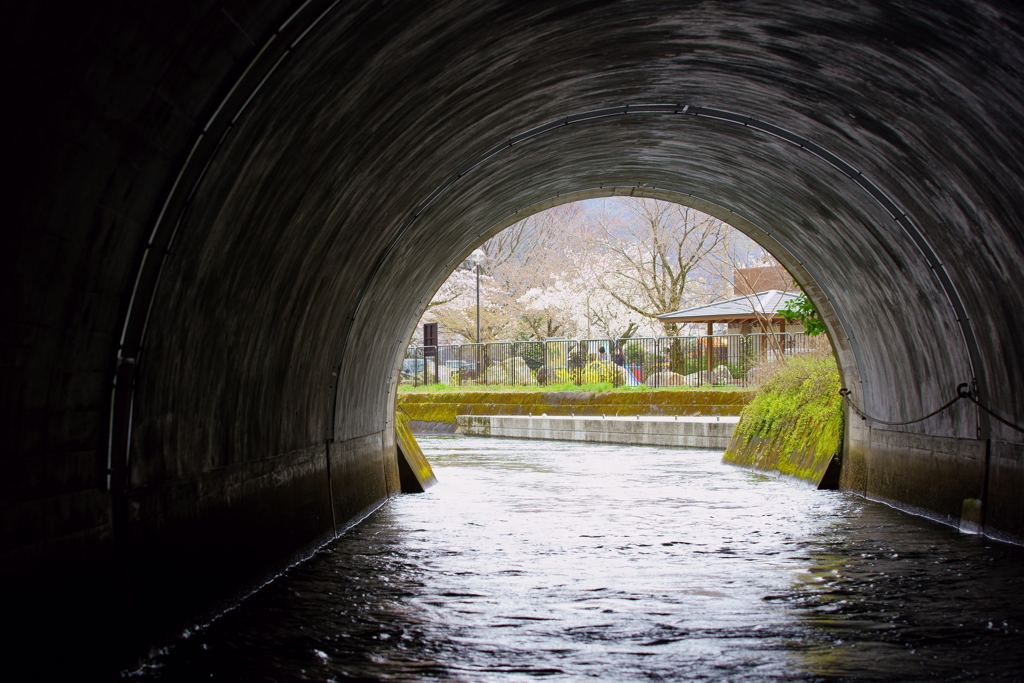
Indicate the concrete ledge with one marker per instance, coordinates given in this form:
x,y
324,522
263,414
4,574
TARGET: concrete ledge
x,y
688,432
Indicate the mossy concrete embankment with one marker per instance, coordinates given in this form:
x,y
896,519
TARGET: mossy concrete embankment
x,y
437,411
794,424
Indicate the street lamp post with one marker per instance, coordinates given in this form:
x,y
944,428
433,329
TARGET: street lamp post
x,y
475,259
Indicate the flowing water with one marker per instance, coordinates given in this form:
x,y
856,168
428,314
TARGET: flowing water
x,y
572,561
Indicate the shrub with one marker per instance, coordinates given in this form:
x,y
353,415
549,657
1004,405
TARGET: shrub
x,y
597,372
796,418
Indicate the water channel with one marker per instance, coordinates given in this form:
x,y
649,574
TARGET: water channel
x,y
570,561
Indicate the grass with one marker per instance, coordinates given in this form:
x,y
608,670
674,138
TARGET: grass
x,y
796,418
567,386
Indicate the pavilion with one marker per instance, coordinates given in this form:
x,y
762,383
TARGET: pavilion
x,y
760,309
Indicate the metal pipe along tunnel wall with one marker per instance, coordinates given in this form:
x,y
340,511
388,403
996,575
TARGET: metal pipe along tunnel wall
x,y
224,219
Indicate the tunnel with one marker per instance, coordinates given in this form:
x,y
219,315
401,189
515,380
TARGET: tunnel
x,y
224,219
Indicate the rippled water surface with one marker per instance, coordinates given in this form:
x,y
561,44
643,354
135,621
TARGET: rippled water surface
x,y
573,561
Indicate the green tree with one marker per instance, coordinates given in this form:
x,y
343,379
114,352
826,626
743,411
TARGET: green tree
x,y
801,310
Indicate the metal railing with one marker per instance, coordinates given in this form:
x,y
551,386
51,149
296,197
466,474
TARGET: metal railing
x,y
730,359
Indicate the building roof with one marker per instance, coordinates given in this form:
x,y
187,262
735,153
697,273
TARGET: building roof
x,y
749,308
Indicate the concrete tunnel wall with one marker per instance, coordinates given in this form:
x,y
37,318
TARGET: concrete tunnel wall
x,y
225,219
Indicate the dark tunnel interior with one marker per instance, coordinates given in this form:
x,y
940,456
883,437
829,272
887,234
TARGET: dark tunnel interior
x,y
224,219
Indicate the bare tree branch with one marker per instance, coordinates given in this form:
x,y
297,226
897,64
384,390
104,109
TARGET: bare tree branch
x,y
658,245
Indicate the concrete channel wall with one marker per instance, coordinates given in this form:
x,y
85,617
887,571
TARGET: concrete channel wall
x,y
690,432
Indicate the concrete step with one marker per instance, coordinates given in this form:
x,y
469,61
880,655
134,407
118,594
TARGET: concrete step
x,y
682,431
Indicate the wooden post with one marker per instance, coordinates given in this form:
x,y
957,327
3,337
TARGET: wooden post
x,y
764,340
711,331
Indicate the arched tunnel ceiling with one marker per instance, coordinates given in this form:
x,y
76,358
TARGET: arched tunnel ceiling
x,y
260,195
329,171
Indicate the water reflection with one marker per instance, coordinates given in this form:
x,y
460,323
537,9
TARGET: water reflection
x,y
884,591
574,561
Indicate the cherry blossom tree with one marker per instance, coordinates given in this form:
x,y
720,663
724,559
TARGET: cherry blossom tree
x,y
596,269
654,247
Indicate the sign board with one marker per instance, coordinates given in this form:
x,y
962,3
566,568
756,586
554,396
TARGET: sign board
x,y
430,339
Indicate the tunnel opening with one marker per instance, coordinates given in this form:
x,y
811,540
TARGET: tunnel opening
x,y
602,271
570,306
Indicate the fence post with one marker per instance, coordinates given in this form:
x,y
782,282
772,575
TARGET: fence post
x,y
545,366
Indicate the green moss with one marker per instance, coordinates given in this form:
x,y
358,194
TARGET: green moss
x,y
794,424
431,412
566,386
443,407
